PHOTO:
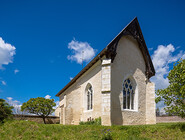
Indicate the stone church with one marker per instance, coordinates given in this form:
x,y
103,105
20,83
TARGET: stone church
x,y
115,85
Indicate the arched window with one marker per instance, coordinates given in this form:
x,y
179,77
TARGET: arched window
x,y
128,95
89,97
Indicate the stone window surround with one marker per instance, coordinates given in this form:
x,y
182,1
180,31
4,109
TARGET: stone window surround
x,y
85,98
134,84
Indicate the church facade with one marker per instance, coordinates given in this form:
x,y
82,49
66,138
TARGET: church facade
x,y
115,85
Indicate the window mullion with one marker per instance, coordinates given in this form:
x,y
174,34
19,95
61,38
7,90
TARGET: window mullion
x,y
88,101
128,95
126,100
123,97
131,99
91,100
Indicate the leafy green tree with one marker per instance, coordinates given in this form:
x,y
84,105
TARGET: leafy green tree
x,y
5,110
174,95
39,106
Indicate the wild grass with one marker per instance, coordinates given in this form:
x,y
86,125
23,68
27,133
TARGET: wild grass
x,y
26,130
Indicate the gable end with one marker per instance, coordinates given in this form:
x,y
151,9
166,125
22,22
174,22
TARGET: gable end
x,y
133,29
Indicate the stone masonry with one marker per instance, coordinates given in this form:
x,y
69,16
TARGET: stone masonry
x,y
106,92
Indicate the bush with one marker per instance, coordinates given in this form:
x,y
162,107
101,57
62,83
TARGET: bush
x,y
96,121
5,111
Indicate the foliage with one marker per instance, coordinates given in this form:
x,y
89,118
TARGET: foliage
x,y
174,94
96,121
17,130
39,106
5,110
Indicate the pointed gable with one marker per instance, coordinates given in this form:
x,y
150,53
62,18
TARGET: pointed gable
x,y
132,29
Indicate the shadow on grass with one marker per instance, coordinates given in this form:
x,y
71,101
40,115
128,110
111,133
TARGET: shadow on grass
x,y
180,126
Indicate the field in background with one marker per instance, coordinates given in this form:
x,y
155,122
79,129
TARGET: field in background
x,y
31,130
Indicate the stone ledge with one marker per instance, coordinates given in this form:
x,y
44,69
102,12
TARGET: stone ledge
x,y
106,62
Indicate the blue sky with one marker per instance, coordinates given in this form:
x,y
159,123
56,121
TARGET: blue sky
x,y
42,35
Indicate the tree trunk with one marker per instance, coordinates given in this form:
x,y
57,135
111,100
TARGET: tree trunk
x,y
44,119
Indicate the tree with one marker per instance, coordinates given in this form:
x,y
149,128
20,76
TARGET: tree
x,y
157,112
5,110
39,106
174,95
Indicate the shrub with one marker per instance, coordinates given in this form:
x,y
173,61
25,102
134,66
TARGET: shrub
x,y
5,111
96,121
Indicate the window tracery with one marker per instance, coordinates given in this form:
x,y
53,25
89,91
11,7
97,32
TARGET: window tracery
x,y
128,95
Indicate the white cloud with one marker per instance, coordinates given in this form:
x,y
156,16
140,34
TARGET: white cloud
x,y
183,57
16,104
160,105
162,111
57,104
7,51
80,50
3,83
9,98
16,71
47,97
70,78
161,58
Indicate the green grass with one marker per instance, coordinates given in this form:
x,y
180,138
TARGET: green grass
x,y
27,130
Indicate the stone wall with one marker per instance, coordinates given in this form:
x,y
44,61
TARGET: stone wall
x,y
107,80
106,92
128,63
150,103
38,119
57,111
166,119
76,107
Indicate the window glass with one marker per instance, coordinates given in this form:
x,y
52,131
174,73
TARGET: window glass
x,y
128,95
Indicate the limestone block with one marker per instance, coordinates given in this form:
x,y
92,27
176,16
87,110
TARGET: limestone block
x,y
106,75
106,62
150,103
106,108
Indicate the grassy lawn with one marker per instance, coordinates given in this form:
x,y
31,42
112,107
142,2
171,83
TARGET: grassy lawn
x,y
30,130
